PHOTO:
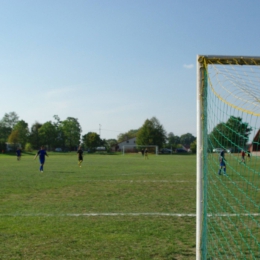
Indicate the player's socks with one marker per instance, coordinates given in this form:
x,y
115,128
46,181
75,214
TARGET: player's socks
x,y
219,172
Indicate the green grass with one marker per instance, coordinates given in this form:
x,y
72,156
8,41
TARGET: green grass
x,y
233,202
124,207
114,207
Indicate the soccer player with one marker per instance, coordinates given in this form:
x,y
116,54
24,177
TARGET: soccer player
x,y
248,155
80,156
243,156
41,153
145,153
222,163
18,153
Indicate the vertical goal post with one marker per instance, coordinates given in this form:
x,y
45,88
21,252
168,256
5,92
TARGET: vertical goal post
x,y
228,116
134,146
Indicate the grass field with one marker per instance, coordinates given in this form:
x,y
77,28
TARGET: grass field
x,y
113,207
233,203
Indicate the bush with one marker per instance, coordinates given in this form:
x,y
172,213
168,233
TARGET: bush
x,y
193,146
28,147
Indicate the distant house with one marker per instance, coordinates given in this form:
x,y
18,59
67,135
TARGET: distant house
x,y
131,142
254,147
186,147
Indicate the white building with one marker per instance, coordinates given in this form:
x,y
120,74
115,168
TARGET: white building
x,y
131,142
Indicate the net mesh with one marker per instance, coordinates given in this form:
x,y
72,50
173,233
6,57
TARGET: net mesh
x,y
231,220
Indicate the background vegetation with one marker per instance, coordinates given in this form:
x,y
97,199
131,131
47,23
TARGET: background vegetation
x,y
67,134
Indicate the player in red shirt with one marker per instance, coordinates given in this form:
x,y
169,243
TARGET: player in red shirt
x,y
243,154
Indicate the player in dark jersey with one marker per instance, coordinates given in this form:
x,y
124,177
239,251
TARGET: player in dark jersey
x,y
18,153
80,156
248,155
41,153
146,153
222,163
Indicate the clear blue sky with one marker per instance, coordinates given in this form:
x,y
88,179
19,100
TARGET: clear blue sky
x,y
116,63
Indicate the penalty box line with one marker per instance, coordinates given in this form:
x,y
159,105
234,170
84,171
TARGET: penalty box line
x,y
128,214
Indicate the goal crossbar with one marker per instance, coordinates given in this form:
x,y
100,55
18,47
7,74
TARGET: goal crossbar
x,y
228,60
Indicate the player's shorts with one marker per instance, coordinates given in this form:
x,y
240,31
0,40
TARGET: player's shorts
x,y
80,158
42,161
222,164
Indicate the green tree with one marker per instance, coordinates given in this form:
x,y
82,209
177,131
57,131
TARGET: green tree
x,y
34,137
234,133
21,131
193,146
4,133
110,143
48,134
28,147
126,136
13,138
92,140
187,139
60,138
6,126
151,133
173,140
72,131
10,120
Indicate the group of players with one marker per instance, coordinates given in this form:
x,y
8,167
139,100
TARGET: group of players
x,y
42,153
222,160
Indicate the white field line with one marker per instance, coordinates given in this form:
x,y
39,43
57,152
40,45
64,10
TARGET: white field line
x,y
127,174
125,214
234,215
98,214
140,181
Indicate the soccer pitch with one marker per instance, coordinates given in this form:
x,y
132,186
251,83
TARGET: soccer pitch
x,y
113,207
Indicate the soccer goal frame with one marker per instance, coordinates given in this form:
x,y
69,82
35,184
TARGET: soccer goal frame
x,y
202,150
139,146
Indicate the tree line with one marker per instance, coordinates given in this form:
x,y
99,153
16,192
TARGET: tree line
x,y
234,134
153,133
67,134
58,133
